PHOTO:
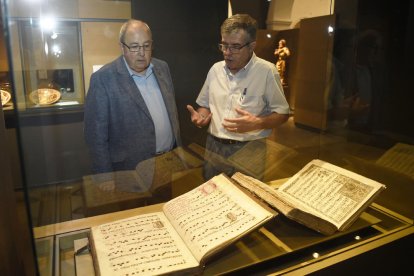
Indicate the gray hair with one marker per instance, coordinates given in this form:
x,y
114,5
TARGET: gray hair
x,y
129,23
240,22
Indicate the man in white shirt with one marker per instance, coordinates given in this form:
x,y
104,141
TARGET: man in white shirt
x,y
242,98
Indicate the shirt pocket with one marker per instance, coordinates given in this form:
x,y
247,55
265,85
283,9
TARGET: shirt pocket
x,y
252,104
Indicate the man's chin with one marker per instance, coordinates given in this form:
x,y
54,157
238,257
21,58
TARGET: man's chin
x,y
140,68
229,64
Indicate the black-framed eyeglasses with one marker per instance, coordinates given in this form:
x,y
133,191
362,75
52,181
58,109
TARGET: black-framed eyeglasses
x,y
232,48
136,48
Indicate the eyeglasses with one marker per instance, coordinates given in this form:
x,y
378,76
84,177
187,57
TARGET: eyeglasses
x,y
232,48
136,48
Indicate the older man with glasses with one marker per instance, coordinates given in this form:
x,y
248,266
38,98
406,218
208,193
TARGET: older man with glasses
x,y
130,108
242,98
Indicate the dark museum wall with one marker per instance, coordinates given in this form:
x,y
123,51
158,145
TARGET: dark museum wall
x,y
186,37
257,9
377,34
186,34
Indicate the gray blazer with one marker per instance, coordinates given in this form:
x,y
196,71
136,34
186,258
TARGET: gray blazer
x,y
118,127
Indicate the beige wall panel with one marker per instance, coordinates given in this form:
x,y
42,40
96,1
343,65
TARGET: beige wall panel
x,y
303,9
71,8
53,8
100,45
17,66
313,71
104,9
4,66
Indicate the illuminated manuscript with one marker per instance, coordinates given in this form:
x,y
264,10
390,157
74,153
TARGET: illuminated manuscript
x,y
322,196
190,228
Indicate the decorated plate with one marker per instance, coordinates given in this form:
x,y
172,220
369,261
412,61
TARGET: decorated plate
x,y
44,96
5,97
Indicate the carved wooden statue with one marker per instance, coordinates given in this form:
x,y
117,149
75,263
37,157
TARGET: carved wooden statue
x,y
282,53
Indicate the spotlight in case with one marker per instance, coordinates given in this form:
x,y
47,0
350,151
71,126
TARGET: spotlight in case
x,y
269,36
47,23
330,30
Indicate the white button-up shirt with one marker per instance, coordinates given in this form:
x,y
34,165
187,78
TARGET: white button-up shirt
x,y
256,88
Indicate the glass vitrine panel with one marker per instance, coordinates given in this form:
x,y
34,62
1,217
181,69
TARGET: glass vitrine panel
x,y
348,90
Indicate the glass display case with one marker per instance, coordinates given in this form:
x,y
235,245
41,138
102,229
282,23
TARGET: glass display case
x,y
278,248
350,105
51,57
51,63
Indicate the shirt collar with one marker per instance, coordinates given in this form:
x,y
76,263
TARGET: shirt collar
x,y
250,63
245,68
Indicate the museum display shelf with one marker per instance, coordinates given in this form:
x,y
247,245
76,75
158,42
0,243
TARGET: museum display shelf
x,y
281,246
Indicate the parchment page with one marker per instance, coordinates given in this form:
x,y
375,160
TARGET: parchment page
x,y
145,244
328,191
213,215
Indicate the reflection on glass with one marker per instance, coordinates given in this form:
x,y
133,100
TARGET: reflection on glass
x,y
51,58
